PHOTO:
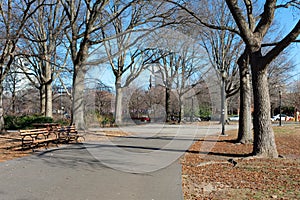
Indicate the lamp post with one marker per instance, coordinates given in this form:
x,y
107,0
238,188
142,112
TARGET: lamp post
x,y
149,93
280,107
223,76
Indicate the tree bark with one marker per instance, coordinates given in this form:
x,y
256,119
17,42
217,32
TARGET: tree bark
x,y
264,139
13,99
48,90
226,110
78,97
48,107
1,109
118,103
168,104
244,133
42,99
181,109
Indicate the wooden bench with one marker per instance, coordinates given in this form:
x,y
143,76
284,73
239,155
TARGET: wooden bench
x,y
31,138
68,133
49,126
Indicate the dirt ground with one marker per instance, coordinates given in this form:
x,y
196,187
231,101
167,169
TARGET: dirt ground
x,y
217,168
226,172
10,143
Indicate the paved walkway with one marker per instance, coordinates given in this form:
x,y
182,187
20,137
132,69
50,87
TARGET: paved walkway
x,y
144,166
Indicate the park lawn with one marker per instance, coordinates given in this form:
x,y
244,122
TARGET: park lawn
x,y
207,173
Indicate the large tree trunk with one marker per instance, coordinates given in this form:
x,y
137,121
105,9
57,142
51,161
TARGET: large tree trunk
x,y
48,106
78,98
1,109
226,110
48,88
118,102
168,104
181,109
42,99
244,134
264,139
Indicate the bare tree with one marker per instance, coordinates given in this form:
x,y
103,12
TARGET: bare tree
x,y
124,42
192,68
93,22
44,32
279,75
295,95
13,84
180,62
253,33
13,17
85,20
223,49
124,59
253,28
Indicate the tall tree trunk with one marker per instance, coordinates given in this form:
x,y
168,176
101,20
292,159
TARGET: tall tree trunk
x,y
223,99
48,106
168,104
181,109
226,110
42,99
1,109
48,90
244,134
118,102
264,139
78,97
13,99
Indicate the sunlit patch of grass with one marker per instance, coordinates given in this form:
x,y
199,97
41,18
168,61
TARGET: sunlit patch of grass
x,y
287,130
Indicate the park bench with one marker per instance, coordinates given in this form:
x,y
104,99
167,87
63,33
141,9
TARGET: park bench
x,y
31,138
67,134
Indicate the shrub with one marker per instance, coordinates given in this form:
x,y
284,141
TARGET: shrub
x,y
105,119
23,122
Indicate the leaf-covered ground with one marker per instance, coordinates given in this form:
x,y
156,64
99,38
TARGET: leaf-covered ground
x,y
217,168
10,143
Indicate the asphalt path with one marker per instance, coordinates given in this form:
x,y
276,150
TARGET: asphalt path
x,y
142,166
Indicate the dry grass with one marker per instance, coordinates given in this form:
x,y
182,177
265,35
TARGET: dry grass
x,y
10,143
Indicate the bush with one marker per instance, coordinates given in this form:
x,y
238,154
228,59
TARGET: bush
x,y
23,122
105,119
204,113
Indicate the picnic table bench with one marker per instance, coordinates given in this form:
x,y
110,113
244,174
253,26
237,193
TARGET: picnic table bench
x,y
68,133
49,126
33,137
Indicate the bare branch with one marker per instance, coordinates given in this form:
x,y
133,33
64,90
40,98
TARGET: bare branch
x,y
212,26
271,55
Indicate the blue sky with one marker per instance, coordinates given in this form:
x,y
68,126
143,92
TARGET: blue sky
x,y
287,19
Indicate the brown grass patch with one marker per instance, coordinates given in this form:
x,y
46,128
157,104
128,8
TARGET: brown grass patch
x,y
211,176
10,143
